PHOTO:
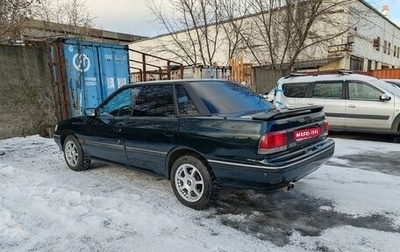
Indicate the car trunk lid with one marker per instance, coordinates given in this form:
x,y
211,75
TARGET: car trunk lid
x,y
290,129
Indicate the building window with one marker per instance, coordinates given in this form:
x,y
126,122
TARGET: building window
x,y
384,46
398,51
356,63
389,45
376,43
369,65
394,51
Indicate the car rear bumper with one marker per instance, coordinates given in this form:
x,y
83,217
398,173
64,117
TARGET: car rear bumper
x,y
264,175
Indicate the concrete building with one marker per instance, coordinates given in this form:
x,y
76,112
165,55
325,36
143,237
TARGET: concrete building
x,y
368,41
373,42
43,30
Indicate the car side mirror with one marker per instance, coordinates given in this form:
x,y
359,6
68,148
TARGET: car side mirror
x,y
385,97
90,112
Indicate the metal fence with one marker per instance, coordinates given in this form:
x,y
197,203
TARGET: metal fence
x,y
263,80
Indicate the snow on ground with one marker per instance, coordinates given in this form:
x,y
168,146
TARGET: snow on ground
x,y
354,190
44,206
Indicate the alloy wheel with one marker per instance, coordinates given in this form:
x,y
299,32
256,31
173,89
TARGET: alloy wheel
x,y
71,153
189,182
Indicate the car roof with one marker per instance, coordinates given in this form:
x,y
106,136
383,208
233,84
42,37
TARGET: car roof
x,y
305,78
325,77
165,82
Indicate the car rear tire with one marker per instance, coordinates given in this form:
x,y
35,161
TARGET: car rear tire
x,y
73,154
193,183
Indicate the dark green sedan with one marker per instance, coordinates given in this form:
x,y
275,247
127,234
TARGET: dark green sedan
x,y
200,134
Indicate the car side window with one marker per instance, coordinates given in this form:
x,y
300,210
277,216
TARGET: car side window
x,y
327,90
119,105
295,90
363,91
154,100
185,103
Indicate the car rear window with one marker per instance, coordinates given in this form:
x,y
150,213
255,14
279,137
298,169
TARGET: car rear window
x,y
225,97
296,90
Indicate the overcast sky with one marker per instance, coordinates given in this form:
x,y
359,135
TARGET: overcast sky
x,y
135,17
127,16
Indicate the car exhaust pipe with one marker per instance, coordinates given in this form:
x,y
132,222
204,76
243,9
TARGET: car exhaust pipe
x,y
289,187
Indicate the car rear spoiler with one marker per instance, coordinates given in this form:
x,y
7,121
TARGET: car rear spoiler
x,y
285,113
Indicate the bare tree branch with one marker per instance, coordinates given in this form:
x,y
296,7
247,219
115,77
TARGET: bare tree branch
x,y
11,14
285,29
59,18
196,29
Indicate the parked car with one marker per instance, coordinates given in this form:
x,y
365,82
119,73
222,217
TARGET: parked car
x,y
395,82
352,102
270,95
200,134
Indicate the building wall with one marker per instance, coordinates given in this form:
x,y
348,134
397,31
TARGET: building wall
x,y
40,30
364,22
370,28
164,46
26,105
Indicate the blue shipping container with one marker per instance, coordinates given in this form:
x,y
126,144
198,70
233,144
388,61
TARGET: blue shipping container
x,y
94,71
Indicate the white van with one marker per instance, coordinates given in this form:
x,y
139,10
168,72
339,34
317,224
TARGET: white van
x,y
352,102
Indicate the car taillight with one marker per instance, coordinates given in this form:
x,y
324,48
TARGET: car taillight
x,y
273,142
326,125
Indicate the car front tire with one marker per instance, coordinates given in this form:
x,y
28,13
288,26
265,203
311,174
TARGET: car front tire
x,y
73,154
193,183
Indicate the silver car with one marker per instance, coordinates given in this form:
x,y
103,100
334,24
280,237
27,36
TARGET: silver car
x,y
352,102
395,82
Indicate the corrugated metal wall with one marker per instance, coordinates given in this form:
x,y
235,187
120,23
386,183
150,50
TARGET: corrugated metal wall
x,y
265,79
389,73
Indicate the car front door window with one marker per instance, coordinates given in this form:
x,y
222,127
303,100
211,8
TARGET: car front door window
x,y
119,105
363,91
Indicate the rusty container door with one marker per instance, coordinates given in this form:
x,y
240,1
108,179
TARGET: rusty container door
x,y
56,62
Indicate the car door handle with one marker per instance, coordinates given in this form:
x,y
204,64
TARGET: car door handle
x,y
117,129
351,106
168,134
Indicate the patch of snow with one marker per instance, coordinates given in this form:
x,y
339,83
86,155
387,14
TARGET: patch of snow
x,y
44,206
